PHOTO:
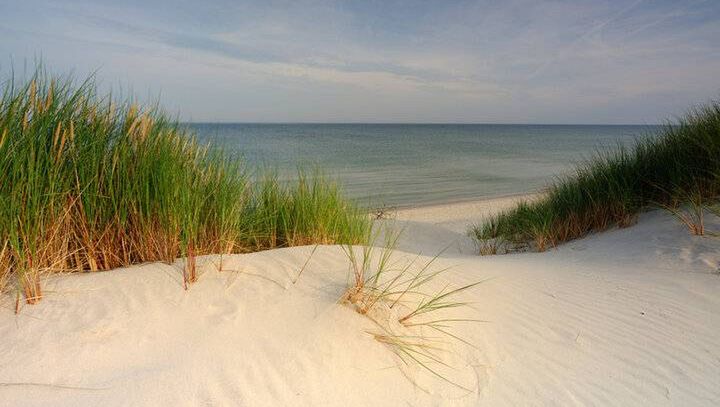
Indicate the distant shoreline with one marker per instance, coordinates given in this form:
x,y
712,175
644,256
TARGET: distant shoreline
x,y
456,202
457,212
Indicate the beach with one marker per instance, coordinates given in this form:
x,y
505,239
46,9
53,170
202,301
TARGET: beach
x,y
359,203
626,317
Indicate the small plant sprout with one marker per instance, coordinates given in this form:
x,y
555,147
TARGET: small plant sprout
x,y
391,293
364,289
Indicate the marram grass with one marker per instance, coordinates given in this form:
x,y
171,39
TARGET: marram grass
x,y
611,189
91,183
394,293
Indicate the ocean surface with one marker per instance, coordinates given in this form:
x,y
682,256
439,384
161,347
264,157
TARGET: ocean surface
x,y
401,165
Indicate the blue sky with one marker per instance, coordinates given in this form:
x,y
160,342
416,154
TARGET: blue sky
x,y
383,61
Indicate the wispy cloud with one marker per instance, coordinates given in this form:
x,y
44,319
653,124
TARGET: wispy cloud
x,y
515,61
564,51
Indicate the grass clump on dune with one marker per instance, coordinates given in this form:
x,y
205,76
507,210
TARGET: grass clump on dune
x,y
395,293
91,183
612,188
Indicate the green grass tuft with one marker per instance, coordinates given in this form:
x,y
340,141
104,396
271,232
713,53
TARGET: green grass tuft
x,y
92,183
612,188
394,293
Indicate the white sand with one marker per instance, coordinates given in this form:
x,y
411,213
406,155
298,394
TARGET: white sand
x,y
628,317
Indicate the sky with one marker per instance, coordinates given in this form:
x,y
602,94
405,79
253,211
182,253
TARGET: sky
x,y
514,61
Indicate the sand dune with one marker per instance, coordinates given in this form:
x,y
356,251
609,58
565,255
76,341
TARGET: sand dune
x,y
627,317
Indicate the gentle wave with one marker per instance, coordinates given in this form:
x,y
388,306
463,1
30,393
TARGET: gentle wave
x,y
421,164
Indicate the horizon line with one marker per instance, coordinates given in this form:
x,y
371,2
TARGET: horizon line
x,y
420,123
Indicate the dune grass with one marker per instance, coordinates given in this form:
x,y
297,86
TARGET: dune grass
x,y
691,213
395,294
612,188
90,183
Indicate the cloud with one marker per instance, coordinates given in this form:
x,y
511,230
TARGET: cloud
x,y
515,61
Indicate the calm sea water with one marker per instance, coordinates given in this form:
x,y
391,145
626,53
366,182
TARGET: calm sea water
x,y
420,164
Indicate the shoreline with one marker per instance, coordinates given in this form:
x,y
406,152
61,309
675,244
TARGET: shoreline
x,y
461,201
459,216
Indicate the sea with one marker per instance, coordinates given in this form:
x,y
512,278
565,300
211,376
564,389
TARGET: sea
x,y
407,165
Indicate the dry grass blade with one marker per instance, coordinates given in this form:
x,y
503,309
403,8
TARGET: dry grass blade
x,y
50,385
443,326
437,302
305,265
415,349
